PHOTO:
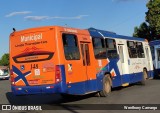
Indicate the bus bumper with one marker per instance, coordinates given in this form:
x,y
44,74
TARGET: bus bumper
x,y
43,89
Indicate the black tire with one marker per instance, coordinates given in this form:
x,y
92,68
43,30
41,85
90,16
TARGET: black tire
x,y
106,86
145,75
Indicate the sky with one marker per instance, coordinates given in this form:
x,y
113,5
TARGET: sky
x,y
120,16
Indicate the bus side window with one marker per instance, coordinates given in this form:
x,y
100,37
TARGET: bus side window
x,y
99,48
153,53
132,49
70,45
158,55
140,50
111,48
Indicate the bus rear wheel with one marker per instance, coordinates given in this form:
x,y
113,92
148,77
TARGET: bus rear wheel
x,y
106,86
143,82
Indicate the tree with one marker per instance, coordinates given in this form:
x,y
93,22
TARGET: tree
x,y
142,31
5,60
153,17
136,32
151,28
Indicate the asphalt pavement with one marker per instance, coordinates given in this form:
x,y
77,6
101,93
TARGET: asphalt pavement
x,y
134,94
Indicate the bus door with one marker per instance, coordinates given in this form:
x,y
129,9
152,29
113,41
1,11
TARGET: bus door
x,y
89,86
78,69
149,59
74,68
123,64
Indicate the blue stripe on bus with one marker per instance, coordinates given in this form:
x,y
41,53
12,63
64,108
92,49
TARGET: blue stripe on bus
x,y
24,90
80,88
155,42
60,87
96,33
20,75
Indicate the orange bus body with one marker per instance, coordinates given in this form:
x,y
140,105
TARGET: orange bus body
x,y
38,63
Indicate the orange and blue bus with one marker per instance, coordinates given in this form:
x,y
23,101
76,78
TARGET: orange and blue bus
x,y
65,60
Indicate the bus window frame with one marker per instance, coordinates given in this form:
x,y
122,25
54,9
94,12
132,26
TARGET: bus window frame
x,y
108,49
130,53
142,48
100,50
77,46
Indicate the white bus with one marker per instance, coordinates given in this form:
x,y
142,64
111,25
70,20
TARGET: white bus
x,y
155,50
129,57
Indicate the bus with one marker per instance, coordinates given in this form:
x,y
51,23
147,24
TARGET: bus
x,y
64,60
4,73
155,51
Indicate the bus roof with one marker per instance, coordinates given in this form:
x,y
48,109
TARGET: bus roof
x,y
60,28
155,42
100,33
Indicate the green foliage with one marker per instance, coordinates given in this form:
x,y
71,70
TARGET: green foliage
x,y
151,29
4,60
153,17
142,31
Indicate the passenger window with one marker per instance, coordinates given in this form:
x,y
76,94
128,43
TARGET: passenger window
x,y
140,50
132,49
87,54
111,48
158,55
99,48
70,45
153,53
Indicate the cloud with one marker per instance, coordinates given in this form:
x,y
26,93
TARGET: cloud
x,y
18,13
39,18
71,18
36,18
